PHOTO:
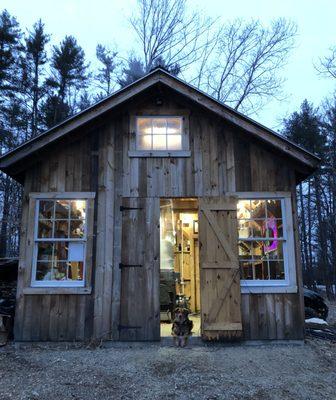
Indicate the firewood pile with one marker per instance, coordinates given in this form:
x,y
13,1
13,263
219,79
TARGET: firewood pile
x,y
8,282
323,332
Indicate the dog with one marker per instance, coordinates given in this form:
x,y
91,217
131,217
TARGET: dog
x,y
182,327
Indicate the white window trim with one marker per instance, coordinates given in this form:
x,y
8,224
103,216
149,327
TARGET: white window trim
x,y
134,151
287,285
59,196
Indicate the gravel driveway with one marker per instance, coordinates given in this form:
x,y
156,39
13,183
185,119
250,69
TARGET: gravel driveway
x,y
162,372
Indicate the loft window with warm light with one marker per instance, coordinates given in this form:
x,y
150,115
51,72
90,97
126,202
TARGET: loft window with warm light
x,y
159,133
60,239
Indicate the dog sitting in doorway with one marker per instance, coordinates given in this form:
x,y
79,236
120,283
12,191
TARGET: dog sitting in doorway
x,y
182,327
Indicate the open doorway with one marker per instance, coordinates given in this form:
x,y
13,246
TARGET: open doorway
x,y
179,262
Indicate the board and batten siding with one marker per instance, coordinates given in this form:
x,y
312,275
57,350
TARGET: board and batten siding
x,y
222,160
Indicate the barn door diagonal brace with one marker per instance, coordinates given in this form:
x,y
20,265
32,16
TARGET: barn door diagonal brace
x,y
213,223
216,308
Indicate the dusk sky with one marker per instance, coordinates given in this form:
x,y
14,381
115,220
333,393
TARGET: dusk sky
x,y
104,21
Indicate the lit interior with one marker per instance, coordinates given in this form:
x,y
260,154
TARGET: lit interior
x,y
261,239
179,261
59,244
164,133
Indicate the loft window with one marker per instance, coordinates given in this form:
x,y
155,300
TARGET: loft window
x,y
159,133
60,239
262,240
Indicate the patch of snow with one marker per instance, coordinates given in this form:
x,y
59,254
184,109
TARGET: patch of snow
x,y
316,321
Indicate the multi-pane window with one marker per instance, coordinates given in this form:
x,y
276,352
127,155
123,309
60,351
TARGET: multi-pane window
x,y
60,235
159,133
261,239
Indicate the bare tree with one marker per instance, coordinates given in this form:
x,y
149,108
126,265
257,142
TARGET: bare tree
x,y
168,32
239,63
245,69
327,65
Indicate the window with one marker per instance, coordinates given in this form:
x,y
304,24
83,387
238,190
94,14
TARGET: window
x,y
264,248
60,241
159,133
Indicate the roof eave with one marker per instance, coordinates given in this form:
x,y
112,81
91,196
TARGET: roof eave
x,y
159,75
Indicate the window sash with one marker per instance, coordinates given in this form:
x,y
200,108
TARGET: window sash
x,y
153,135
37,240
283,239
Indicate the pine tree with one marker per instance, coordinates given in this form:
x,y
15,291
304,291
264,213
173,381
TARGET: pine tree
x,y
135,69
10,46
131,72
305,128
105,78
33,65
69,75
10,121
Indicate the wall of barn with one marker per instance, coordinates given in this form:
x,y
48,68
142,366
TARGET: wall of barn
x,y
222,160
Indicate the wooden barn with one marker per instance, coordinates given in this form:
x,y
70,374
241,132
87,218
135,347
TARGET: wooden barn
x,y
158,194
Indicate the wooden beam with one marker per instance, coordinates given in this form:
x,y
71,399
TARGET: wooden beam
x,y
232,326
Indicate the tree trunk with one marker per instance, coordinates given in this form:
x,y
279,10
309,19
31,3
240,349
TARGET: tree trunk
x,y
309,234
322,242
304,237
5,218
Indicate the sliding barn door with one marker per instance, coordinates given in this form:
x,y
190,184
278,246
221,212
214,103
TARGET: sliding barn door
x,y
140,269
220,280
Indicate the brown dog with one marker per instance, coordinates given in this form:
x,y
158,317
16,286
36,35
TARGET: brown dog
x,y
182,327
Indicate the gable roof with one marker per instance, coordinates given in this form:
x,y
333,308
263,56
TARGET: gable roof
x,y
159,75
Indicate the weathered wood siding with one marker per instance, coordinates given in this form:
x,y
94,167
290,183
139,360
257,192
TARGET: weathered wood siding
x,y
222,160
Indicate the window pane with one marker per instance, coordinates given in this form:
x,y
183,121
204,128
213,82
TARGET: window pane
x,y
258,249
258,228
145,142
244,207
261,270
174,142
276,270
46,209
62,209
77,210
246,270
273,228
258,209
144,126
159,142
75,271
244,250
76,229
61,251
245,228
174,126
44,229
61,229
274,208
59,271
44,251
159,126
43,271
275,250
279,228
76,251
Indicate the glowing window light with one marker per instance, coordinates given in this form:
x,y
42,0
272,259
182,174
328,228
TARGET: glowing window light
x,y
159,133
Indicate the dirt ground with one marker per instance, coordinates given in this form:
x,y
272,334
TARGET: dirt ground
x,y
148,371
